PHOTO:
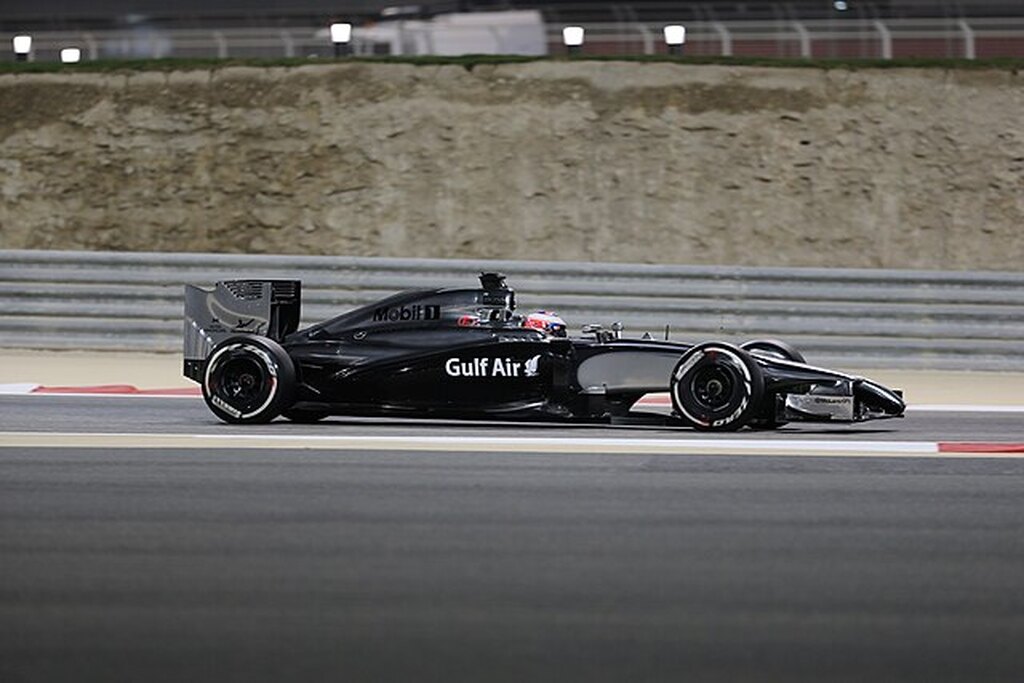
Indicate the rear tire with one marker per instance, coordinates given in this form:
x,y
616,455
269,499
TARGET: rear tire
x,y
248,380
716,387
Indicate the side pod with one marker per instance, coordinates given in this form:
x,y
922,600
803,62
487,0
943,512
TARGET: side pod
x,y
268,308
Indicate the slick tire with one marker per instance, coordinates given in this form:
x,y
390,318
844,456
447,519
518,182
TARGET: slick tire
x,y
716,387
772,348
248,380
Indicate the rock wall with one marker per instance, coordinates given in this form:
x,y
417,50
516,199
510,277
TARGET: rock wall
x,y
602,161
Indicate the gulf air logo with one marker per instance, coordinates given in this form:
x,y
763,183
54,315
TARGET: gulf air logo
x,y
492,367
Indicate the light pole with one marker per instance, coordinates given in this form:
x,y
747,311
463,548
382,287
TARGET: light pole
x,y
70,55
675,36
22,47
341,36
572,36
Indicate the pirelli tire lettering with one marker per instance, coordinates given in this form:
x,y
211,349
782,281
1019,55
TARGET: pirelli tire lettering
x,y
716,387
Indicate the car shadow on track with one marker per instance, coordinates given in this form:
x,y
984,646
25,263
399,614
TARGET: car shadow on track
x,y
427,426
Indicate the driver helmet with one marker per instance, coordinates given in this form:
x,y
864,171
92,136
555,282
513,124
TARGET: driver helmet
x,y
546,322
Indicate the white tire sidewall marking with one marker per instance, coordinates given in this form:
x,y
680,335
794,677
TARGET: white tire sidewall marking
x,y
268,363
690,363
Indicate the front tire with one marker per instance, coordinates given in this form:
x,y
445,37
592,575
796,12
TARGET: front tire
x,y
248,380
771,348
716,387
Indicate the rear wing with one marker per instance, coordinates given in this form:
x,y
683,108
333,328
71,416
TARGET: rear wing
x,y
269,308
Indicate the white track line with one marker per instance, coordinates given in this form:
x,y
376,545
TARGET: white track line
x,y
19,389
724,446
963,408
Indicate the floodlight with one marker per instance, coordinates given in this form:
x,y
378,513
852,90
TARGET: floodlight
x,y
22,46
70,55
572,36
341,33
675,36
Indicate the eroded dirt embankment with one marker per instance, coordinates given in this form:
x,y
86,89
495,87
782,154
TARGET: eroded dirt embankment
x,y
652,162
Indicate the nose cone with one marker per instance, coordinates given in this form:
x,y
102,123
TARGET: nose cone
x,y
879,398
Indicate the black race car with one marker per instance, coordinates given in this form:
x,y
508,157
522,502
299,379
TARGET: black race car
x,y
467,353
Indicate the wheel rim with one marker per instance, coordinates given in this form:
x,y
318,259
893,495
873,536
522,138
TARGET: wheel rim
x,y
712,387
243,382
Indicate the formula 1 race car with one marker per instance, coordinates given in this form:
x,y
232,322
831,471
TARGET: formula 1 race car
x,y
467,353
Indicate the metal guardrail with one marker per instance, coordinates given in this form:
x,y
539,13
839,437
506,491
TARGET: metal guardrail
x,y
968,38
821,38
846,317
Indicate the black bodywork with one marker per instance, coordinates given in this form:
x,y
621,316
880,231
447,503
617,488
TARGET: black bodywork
x,y
465,353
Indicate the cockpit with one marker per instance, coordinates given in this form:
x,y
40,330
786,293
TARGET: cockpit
x,y
491,306
497,309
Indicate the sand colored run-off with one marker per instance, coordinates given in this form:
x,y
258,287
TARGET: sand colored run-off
x,y
85,368
163,371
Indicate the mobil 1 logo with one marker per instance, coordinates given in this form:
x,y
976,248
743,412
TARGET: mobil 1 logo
x,y
414,313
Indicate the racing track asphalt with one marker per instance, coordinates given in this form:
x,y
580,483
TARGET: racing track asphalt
x,y
265,565
146,414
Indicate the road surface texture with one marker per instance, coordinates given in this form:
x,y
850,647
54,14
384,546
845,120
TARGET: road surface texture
x,y
230,564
